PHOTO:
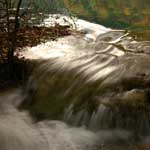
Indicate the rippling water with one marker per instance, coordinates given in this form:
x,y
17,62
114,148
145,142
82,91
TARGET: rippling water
x,y
90,92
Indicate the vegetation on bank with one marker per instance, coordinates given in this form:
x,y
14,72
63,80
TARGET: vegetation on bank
x,y
16,33
112,13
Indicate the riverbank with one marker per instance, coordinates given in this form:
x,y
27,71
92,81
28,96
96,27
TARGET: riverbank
x,y
26,37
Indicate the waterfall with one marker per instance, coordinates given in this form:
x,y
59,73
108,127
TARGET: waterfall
x,y
88,92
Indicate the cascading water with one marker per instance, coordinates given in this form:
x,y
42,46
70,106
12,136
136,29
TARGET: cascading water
x,y
95,84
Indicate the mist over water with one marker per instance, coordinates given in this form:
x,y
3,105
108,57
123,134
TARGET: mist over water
x,y
89,92
19,131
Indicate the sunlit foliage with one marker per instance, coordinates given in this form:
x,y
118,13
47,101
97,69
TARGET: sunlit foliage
x,y
116,13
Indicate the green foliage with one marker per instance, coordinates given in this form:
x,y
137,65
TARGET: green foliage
x,y
113,13
88,7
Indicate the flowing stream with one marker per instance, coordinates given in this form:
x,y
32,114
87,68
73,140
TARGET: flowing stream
x,y
89,91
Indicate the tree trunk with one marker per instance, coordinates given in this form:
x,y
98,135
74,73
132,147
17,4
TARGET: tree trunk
x,y
13,39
